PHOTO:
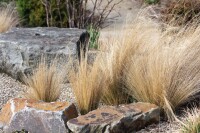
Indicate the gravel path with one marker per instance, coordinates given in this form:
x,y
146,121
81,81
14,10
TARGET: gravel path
x,y
9,88
67,94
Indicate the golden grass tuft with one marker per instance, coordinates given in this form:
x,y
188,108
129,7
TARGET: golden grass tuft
x,y
121,48
191,122
168,73
87,84
45,82
8,18
113,67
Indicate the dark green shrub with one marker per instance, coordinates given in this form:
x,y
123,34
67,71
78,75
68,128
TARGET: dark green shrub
x,y
58,14
33,13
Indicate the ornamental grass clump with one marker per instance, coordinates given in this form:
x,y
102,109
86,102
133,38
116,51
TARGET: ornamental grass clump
x,y
87,82
8,18
45,82
121,48
168,73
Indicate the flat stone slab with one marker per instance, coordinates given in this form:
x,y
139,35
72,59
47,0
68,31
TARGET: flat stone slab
x,y
20,48
36,116
111,119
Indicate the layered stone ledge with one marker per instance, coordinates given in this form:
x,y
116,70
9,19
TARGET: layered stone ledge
x,y
121,119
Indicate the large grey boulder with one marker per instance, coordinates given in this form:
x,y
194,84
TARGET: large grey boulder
x,y
20,48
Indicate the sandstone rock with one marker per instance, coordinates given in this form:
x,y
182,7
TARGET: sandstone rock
x,y
36,116
20,48
110,119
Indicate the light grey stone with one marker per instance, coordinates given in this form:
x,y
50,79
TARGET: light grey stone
x,y
20,48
